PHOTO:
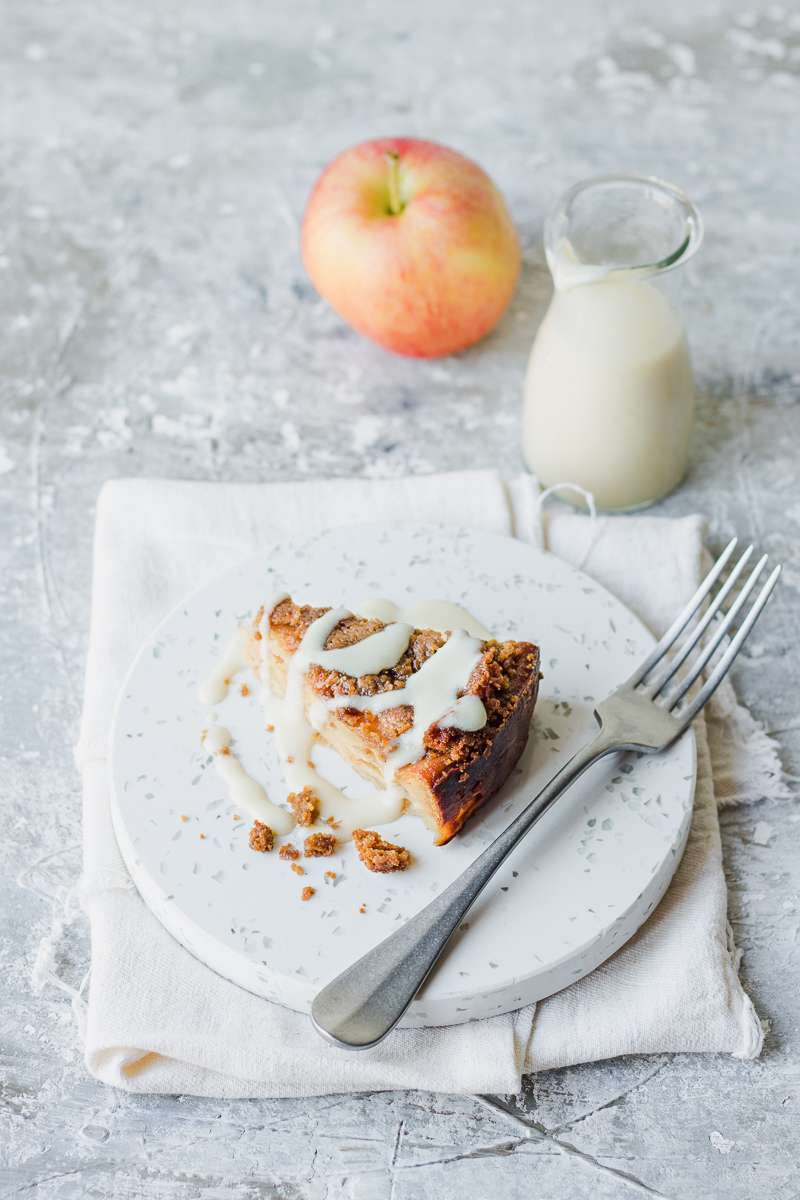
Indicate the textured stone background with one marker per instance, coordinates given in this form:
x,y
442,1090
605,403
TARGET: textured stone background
x,y
156,320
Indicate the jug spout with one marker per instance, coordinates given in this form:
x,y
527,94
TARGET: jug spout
x,y
620,225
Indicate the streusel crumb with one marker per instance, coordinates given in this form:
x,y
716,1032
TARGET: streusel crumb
x,y
298,870
378,855
305,805
319,845
289,851
262,837
307,893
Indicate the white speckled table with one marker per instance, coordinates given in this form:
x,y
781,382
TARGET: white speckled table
x,y
157,320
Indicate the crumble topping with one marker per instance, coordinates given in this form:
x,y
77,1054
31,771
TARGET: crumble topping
x,y
319,845
289,851
503,671
262,838
293,621
298,870
305,806
307,893
379,855
330,875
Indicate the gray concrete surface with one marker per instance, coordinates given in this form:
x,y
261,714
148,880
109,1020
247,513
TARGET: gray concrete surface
x,y
156,320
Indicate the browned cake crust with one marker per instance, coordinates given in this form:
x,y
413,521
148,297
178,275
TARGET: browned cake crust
x,y
459,770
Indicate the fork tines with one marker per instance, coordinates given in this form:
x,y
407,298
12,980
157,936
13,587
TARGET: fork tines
x,y
713,628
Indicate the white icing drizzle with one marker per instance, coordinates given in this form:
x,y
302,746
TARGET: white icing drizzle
x,y
441,615
214,687
313,644
318,714
244,791
468,713
216,739
295,734
263,628
372,654
433,691
378,608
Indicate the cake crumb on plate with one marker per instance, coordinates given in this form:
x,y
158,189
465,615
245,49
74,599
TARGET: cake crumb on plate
x,y
379,855
319,845
305,805
262,838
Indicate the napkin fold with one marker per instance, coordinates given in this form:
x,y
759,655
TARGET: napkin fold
x,y
157,1020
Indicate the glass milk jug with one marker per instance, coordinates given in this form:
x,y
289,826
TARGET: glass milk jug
x,y
609,393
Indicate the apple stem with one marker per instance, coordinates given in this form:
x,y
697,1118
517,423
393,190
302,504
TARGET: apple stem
x,y
395,203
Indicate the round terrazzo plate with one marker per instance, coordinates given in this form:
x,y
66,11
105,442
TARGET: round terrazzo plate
x,y
579,886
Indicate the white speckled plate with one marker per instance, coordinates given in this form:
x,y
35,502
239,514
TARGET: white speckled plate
x,y
579,886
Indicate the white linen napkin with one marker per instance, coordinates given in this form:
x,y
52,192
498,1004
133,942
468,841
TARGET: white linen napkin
x,y
159,1021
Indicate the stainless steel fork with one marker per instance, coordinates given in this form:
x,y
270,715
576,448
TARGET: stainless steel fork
x,y
645,715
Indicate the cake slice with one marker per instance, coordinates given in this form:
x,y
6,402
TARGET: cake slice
x,y
458,768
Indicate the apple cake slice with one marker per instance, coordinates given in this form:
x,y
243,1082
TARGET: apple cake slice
x,y
446,766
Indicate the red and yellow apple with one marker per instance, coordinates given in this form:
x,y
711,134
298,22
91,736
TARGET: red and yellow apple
x,y
412,244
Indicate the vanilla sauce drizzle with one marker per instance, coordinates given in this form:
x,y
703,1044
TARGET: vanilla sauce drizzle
x,y
214,687
244,791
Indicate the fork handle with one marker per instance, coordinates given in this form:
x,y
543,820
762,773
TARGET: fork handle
x,y
358,1008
